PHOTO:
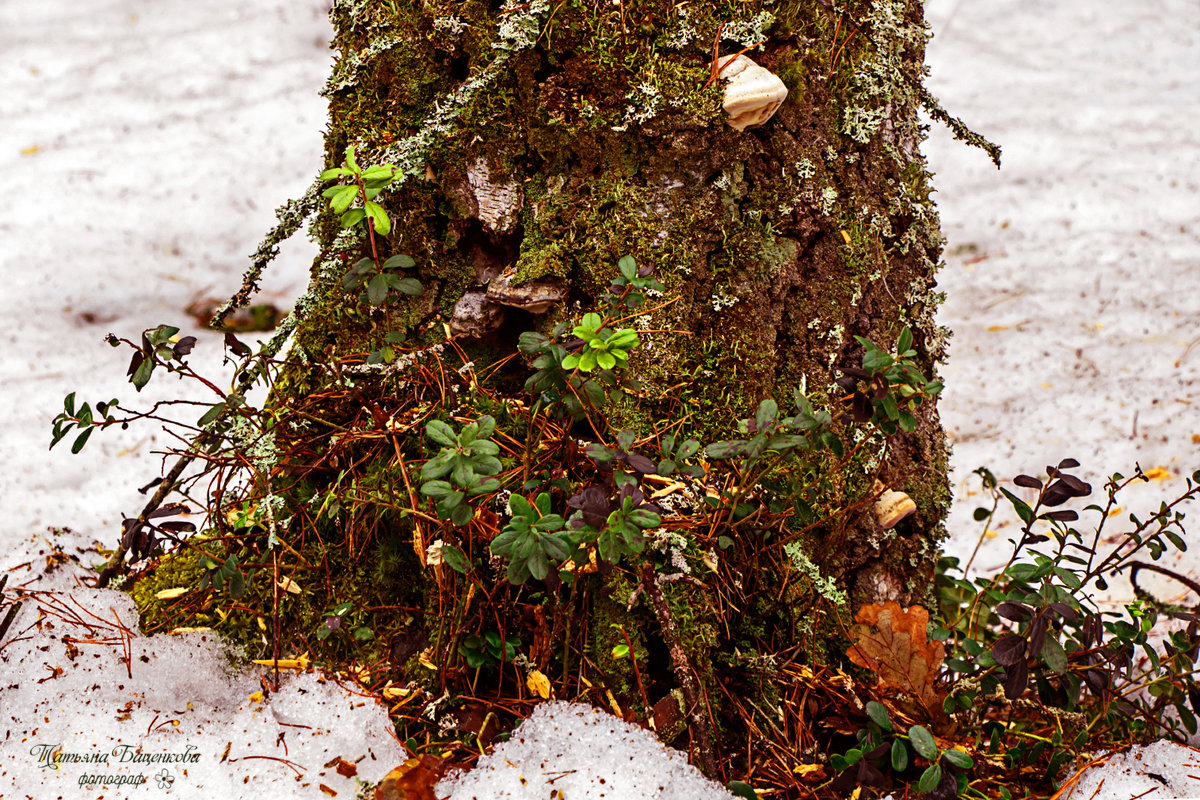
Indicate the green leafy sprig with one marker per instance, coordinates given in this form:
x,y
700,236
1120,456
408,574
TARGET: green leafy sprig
x,y
602,347
355,202
533,540
882,748
468,460
896,386
381,281
630,287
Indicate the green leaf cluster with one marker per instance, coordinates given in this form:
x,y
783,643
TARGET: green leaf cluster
x,y
157,349
769,433
629,288
536,539
575,367
622,534
560,390
488,650
533,540
677,457
883,749
82,419
334,620
221,574
365,186
462,468
381,281
602,347
898,386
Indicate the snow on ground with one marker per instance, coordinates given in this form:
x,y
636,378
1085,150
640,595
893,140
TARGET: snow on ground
x,y
581,752
75,702
144,148
1073,273
145,145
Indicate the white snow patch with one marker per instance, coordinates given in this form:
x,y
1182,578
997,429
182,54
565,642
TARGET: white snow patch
x,y
1157,771
177,715
1072,272
585,754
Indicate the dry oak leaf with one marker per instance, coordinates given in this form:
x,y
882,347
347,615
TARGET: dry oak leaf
x,y
890,641
412,780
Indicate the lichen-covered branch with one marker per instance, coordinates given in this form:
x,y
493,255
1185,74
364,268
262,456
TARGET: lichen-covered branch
x,y
958,127
683,671
291,216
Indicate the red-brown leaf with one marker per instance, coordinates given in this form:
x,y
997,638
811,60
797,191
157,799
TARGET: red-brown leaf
x,y
891,642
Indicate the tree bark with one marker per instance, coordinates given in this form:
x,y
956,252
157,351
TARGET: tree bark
x,y
549,140
539,144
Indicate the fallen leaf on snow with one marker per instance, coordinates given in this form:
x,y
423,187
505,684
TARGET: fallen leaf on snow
x,y
300,662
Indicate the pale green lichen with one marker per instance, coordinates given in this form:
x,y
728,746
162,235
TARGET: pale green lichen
x,y
257,446
829,198
410,154
685,32
291,216
873,451
451,26
719,301
345,71
749,32
520,27
644,100
518,31
860,123
879,81
826,587
672,545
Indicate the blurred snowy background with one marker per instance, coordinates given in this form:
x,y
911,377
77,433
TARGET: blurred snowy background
x,y
145,144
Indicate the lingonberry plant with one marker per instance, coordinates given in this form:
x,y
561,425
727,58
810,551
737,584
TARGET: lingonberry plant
x,y
546,539
1027,663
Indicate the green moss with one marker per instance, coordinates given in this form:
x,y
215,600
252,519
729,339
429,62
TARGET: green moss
x,y
609,619
793,67
619,147
383,578
176,570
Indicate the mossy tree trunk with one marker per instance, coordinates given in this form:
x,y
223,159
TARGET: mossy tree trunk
x,y
550,139
541,142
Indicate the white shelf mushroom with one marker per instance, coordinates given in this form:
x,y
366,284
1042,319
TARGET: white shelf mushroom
x,y
892,506
752,93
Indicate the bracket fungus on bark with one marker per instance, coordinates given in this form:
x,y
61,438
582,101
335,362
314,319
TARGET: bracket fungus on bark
x,y
891,506
474,316
480,311
536,296
752,93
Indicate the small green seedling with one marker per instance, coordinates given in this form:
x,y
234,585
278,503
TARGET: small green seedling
x,y
365,186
